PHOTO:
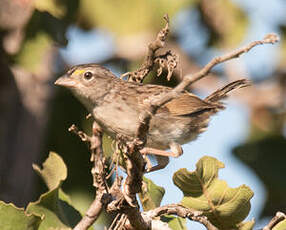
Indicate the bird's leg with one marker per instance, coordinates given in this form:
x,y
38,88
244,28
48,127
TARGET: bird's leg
x,y
176,151
162,156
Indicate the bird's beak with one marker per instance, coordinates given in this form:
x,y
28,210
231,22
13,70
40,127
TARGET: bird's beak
x,y
65,81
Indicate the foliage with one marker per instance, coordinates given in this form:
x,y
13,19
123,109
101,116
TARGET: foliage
x,y
13,218
151,195
225,207
257,154
203,191
47,27
53,209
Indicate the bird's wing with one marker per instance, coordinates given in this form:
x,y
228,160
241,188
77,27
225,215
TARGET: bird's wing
x,y
187,104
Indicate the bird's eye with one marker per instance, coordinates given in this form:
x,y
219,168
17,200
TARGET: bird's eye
x,y
88,76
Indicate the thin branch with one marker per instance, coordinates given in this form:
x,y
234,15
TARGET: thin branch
x,y
93,211
103,197
132,185
135,220
148,64
280,216
155,103
181,211
192,78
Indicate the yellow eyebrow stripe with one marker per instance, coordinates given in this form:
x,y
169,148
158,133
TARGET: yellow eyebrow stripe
x,y
79,71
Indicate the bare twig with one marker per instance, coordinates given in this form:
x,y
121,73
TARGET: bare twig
x,y
148,64
280,216
181,211
170,209
102,197
135,166
93,211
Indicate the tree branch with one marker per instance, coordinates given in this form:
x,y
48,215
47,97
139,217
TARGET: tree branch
x,y
154,103
93,211
181,211
135,166
103,197
280,216
192,78
168,60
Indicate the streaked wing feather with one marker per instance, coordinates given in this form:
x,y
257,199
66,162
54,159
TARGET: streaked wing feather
x,y
186,104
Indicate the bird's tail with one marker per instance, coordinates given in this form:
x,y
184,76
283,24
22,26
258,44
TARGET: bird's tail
x,y
222,92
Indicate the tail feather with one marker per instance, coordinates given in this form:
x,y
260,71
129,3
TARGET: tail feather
x,y
222,92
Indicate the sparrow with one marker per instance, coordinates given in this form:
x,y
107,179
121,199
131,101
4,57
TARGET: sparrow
x,y
116,105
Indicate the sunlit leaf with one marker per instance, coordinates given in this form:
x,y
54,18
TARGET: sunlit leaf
x,y
13,218
225,207
54,170
248,225
280,226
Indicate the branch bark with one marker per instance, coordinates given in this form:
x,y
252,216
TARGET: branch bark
x,y
103,197
280,216
139,74
181,211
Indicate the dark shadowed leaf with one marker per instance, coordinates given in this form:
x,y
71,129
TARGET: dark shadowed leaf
x,y
54,206
176,223
267,158
151,195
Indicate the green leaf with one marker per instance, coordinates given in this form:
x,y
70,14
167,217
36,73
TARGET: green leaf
x,y
176,223
151,195
280,226
54,206
248,225
225,207
57,213
13,218
54,171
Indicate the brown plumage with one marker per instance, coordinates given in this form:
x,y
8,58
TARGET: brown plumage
x,y
116,104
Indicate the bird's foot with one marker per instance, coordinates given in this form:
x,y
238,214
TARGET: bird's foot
x,y
161,156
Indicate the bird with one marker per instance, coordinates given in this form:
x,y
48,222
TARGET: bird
x,y
116,105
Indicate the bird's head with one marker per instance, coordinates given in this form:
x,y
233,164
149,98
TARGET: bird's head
x,y
87,82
